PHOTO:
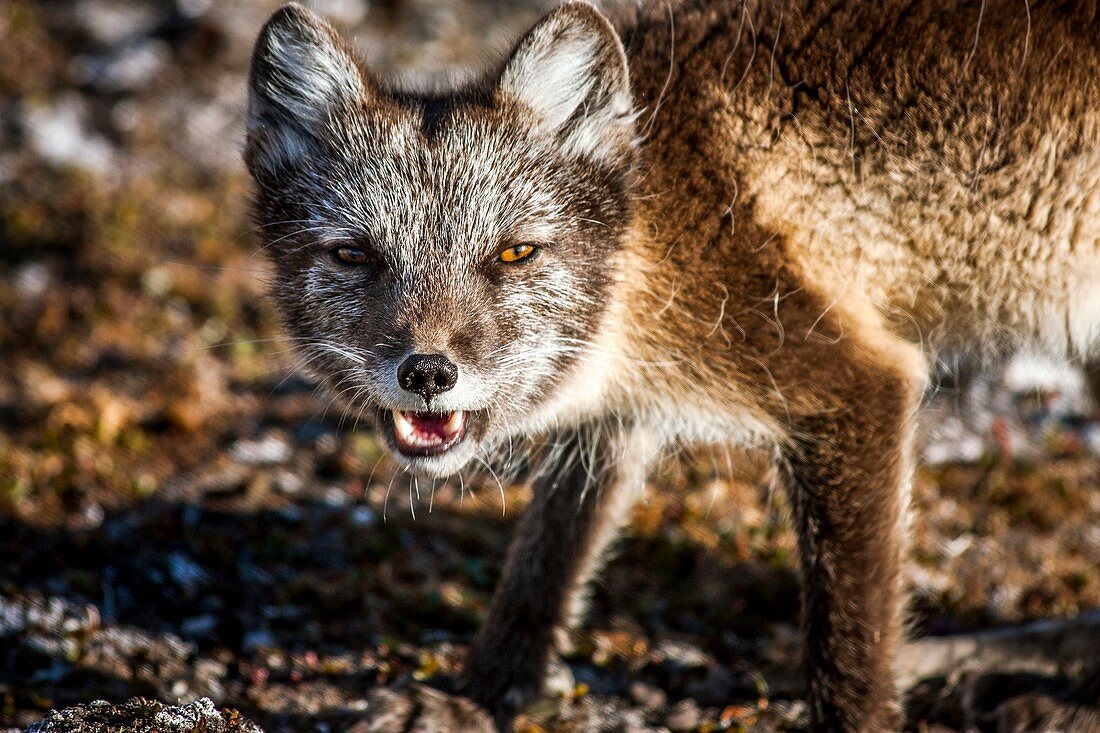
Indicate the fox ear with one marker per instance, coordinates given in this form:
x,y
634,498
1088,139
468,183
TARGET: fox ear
x,y
301,73
571,71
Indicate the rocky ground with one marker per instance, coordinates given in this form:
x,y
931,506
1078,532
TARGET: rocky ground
x,y
183,516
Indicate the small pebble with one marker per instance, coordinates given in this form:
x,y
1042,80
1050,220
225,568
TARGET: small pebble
x,y
648,696
684,716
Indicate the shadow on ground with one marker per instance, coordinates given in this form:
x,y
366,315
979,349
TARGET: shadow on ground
x,y
289,612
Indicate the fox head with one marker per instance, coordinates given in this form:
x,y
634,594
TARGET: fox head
x,y
443,260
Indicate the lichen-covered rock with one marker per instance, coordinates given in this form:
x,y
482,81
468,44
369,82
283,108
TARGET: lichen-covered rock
x,y
141,715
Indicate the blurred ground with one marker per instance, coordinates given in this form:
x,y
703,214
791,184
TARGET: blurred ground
x,y
183,515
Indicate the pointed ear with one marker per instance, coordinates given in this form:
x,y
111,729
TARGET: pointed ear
x,y
571,71
301,73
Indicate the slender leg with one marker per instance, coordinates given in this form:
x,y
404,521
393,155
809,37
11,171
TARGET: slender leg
x,y
582,497
848,471
581,500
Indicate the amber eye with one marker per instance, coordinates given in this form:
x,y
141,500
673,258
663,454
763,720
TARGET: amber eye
x,y
351,255
518,252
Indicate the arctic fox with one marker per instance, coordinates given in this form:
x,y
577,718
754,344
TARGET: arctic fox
x,y
754,221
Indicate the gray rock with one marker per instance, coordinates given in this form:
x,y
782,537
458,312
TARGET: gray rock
x,y
128,68
270,449
59,133
648,696
559,679
680,655
684,716
110,22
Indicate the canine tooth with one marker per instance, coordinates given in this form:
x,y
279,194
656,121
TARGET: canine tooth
x,y
403,427
454,422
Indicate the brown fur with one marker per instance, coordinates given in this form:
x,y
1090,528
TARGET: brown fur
x,y
835,166
823,196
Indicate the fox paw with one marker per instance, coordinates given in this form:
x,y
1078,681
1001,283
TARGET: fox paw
x,y
422,709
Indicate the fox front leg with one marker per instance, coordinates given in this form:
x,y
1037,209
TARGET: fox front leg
x,y
582,497
848,471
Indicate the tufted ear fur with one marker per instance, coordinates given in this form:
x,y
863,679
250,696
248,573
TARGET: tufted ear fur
x,y
301,73
570,70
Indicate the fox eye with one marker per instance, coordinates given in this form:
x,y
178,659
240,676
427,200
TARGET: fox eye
x,y
351,255
517,252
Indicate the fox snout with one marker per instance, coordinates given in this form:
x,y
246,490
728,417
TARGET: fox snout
x,y
427,375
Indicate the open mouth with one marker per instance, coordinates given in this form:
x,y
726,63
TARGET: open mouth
x,y
427,433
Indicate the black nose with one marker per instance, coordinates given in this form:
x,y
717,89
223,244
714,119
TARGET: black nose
x,y
427,374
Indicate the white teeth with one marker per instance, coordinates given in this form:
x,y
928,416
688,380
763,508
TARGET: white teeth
x,y
454,422
403,427
407,434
